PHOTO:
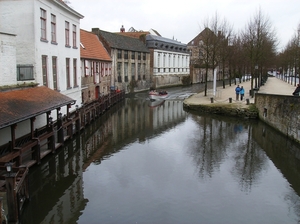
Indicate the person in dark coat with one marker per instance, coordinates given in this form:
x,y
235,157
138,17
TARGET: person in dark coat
x,y
297,90
237,92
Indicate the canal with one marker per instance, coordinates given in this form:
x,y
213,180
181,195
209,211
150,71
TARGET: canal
x,y
145,162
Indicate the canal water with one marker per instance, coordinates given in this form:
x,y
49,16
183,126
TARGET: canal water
x,y
145,162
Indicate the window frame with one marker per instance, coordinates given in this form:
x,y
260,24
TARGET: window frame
x,y
74,36
54,72
43,19
75,84
45,70
53,28
67,34
68,80
28,68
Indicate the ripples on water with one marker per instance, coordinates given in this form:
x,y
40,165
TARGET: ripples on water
x,y
164,165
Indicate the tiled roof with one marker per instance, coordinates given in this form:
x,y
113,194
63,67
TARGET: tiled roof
x,y
20,105
133,34
121,42
91,47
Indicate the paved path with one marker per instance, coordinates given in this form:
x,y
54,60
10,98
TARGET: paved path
x,y
272,86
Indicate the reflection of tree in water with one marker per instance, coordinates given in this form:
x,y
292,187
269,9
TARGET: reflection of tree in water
x,y
250,160
216,139
209,144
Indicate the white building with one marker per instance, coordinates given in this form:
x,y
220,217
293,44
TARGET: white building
x,y
7,59
39,45
47,44
171,61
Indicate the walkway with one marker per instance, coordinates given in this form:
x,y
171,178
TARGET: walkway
x,y
272,86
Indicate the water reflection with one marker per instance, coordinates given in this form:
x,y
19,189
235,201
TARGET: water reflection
x,y
161,164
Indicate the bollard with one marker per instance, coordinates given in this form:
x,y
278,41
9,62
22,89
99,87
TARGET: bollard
x,y
211,99
247,101
230,100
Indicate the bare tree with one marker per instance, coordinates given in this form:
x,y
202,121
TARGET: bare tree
x,y
214,38
259,41
225,36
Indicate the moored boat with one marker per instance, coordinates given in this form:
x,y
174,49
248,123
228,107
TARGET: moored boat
x,y
154,95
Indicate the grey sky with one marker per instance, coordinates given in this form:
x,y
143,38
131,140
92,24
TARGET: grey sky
x,y
183,20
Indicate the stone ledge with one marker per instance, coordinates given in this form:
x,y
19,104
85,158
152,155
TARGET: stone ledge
x,y
235,110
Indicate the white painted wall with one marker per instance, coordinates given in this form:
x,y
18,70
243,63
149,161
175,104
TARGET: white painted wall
x,y
171,60
22,17
7,59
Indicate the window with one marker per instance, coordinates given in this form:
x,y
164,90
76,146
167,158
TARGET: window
x,y
133,71
24,72
54,72
125,54
44,68
74,37
144,56
139,55
158,62
75,72
119,67
67,34
119,54
139,71
133,55
68,73
126,71
53,28
43,25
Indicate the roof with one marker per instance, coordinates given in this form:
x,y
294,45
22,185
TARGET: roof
x,y
91,47
195,41
68,8
20,105
163,39
133,34
121,42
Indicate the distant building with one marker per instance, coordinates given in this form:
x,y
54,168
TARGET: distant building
x,y
170,61
198,58
96,67
130,61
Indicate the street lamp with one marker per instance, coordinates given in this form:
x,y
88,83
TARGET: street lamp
x,y
8,167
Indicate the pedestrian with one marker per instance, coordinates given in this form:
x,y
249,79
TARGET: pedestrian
x,y
242,92
297,91
237,92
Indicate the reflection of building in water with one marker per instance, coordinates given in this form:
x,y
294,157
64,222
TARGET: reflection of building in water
x,y
138,118
57,186
56,191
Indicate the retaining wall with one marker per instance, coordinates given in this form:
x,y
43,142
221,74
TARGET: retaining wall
x,y
280,112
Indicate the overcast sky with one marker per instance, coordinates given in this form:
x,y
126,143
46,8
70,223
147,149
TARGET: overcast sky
x,y
183,20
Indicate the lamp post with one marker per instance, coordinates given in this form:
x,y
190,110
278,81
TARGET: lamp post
x,y
11,194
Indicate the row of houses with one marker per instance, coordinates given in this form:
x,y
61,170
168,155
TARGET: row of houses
x,y
51,68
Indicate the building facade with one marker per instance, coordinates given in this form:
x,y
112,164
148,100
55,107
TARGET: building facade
x,y
170,61
39,48
130,61
96,67
47,43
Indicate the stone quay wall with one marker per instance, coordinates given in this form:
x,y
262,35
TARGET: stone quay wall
x,y
280,112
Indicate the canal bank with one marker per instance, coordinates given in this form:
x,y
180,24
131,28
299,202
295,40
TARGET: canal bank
x,y
224,102
271,104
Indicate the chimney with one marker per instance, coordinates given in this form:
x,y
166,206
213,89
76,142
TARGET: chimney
x,y
122,29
